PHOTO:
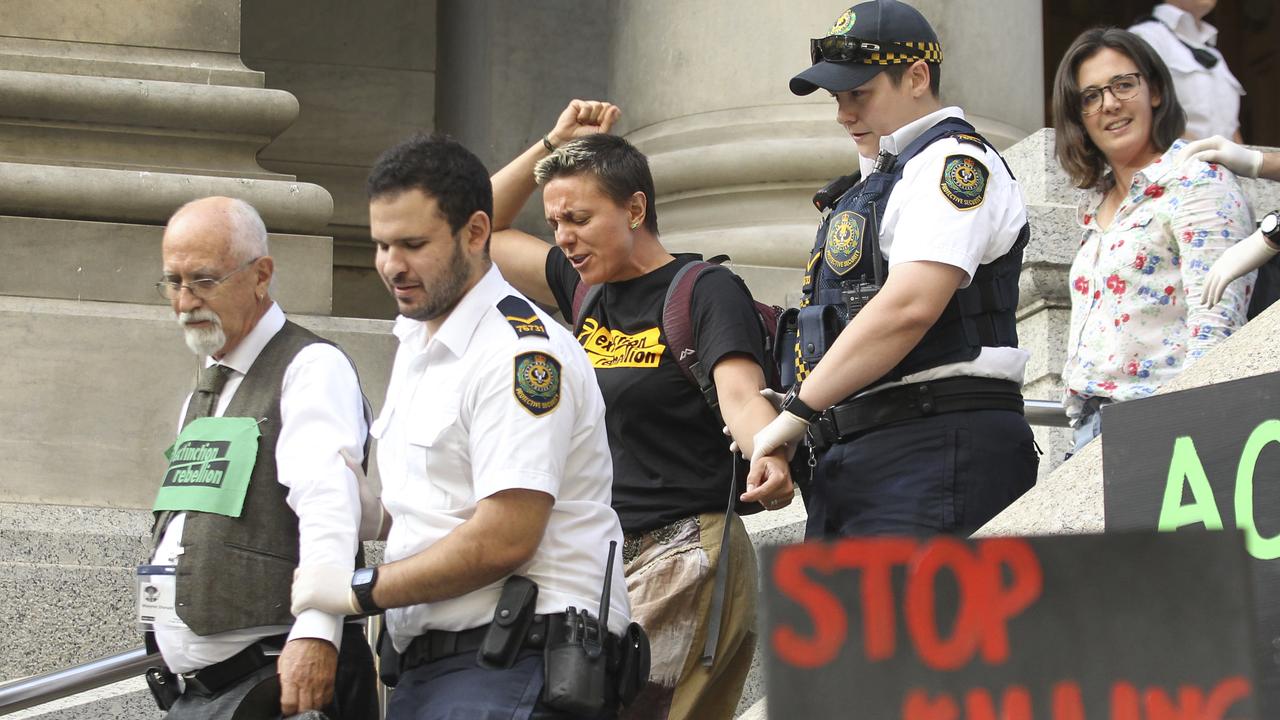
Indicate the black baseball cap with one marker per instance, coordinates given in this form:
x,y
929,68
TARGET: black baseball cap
x,y
866,39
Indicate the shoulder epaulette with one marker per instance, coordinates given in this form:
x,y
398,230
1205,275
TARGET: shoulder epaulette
x,y
522,317
970,139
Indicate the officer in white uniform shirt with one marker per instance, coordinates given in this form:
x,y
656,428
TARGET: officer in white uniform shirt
x,y
1206,89
493,456
216,591
908,375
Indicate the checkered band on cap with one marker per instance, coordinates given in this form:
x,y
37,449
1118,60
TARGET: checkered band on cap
x,y
929,52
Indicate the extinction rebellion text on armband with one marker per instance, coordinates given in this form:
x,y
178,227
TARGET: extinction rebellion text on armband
x,y
970,613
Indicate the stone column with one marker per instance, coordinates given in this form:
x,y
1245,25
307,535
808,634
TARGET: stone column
x,y
736,157
114,113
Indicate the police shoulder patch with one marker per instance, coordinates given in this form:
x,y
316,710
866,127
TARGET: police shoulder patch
x,y
537,382
964,181
522,317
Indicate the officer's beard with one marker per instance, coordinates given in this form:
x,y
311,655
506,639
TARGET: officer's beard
x,y
445,294
202,340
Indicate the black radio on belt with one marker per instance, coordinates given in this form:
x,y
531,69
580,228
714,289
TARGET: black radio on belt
x,y
576,658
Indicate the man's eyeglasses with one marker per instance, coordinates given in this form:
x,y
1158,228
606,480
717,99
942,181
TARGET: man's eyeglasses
x,y
204,288
845,49
1122,87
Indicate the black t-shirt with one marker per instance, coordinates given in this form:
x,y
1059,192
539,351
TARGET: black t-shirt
x,y
670,458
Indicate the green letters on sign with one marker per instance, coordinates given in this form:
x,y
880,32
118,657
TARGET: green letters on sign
x,y
1185,467
1259,547
209,466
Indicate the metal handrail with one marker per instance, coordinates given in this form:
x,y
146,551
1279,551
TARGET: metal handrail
x,y
1046,413
40,689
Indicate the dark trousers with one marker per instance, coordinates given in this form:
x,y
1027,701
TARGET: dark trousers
x,y
257,695
456,687
947,473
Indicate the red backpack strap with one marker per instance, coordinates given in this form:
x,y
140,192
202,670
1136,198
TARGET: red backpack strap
x,y
677,326
584,298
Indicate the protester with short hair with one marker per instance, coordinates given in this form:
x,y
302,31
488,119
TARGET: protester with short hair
x,y
673,473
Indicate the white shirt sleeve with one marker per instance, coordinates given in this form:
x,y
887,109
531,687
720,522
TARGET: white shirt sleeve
x,y
321,414
924,225
511,446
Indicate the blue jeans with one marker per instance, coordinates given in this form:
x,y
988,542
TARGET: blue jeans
x,y
948,473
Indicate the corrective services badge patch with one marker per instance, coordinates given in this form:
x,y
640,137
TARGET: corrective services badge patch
x,y
537,382
843,23
844,241
964,181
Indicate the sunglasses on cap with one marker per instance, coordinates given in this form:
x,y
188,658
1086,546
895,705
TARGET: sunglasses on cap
x,y
846,49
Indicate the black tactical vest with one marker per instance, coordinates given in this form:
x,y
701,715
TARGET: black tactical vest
x,y
847,268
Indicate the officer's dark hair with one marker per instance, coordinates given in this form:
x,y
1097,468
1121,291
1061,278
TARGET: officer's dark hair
x,y
1079,157
619,168
897,72
441,168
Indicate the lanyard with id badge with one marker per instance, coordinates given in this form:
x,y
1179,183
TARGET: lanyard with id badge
x,y
209,469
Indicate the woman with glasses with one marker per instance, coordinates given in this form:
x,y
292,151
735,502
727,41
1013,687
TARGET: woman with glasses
x,y
1152,228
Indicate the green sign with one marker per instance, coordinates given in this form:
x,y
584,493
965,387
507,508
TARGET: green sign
x,y
209,466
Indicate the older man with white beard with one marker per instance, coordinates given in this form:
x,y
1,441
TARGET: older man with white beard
x,y
262,479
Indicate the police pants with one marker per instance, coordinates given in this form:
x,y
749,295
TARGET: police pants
x,y
947,473
456,687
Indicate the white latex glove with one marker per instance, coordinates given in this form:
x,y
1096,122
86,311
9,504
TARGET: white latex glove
x,y
1239,259
785,428
371,512
775,399
1217,149
323,587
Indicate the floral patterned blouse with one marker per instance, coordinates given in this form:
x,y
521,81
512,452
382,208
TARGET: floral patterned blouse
x,y
1136,320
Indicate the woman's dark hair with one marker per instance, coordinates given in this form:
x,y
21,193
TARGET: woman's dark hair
x,y
441,168
616,164
1079,157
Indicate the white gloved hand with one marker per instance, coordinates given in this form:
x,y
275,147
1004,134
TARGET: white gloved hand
x,y
775,399
1217,149
1239,259
371,512
781,430
323,587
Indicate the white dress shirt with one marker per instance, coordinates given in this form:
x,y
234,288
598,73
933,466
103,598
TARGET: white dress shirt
x,y
321,414
920,224
452,433
1211,96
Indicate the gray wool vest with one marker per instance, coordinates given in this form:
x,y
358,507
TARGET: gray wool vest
x,y
237,573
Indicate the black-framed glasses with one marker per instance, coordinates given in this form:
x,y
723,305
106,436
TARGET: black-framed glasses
x,y
846,49
204,288
1122,87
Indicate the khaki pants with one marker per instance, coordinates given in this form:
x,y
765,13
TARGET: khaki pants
x,y
670,582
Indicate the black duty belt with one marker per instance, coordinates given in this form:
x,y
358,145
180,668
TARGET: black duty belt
x,y
436,644
214,678
912,401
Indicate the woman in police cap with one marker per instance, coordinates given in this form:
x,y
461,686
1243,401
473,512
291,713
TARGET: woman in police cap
x,y
1153,226
673,473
